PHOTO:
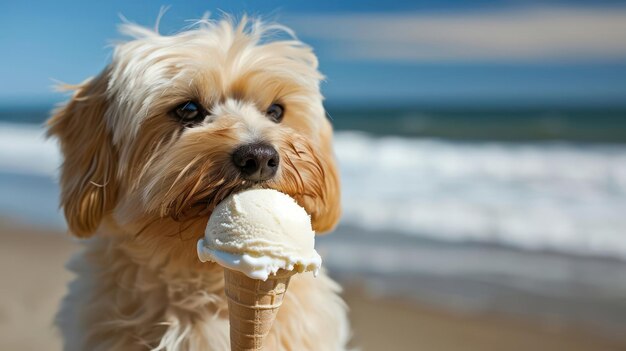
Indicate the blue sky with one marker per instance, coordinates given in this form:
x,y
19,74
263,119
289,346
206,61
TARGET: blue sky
x,y
373,52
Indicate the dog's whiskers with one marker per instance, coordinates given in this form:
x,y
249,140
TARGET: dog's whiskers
x,y
295,169
146,226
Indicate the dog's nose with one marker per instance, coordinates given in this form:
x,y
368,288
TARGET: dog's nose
x,y
257,161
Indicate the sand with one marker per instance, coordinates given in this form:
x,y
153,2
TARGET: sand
x,y
395,325
34,279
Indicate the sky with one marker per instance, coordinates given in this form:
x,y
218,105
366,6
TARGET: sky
x,y
446,52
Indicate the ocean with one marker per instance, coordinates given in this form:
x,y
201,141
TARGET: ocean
x,y
520,211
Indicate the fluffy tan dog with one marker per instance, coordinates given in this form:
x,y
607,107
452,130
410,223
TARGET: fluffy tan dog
x,y
169,128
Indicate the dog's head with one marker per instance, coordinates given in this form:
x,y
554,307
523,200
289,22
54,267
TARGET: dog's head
x,y
174,124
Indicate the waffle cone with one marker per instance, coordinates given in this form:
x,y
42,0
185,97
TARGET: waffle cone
x,y
252,306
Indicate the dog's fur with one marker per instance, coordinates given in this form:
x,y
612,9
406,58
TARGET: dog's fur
x,y
145,185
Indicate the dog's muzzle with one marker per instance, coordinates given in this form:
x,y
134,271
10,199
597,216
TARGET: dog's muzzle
x,y
256,161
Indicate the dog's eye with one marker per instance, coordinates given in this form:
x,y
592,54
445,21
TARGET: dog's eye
x,y
275,112
189,112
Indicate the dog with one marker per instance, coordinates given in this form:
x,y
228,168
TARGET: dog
x,y
151,145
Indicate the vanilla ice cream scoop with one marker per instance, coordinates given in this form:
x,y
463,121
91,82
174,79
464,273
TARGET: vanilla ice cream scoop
x,y
259,231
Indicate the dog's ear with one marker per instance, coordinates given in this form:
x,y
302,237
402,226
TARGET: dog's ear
x,y
87,181
328,217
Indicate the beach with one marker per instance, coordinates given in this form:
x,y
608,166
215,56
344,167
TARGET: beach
x,y
474,178
34,280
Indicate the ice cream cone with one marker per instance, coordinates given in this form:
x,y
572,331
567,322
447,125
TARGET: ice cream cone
x,y
253,305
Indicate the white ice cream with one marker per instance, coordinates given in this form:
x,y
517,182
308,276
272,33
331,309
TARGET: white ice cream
x,y
258,232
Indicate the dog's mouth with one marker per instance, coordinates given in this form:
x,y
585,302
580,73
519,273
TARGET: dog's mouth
x,y
205,205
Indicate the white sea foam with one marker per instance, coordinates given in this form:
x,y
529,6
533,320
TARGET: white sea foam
x,y
557,196
24,149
